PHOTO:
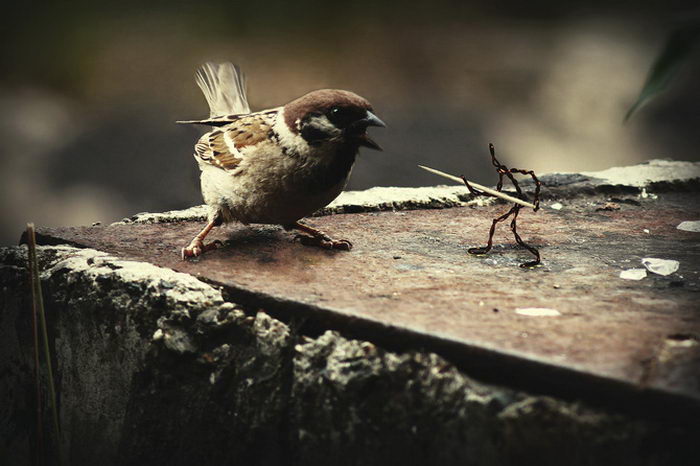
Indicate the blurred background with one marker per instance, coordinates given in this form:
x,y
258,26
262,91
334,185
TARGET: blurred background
x,y
89,91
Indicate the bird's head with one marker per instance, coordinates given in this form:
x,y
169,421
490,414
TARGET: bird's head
x,y
331,115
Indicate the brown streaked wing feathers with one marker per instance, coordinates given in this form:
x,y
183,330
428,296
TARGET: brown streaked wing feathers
x,y
212,149
246,131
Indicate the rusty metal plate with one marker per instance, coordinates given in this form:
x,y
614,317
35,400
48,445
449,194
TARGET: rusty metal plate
x,y
410,282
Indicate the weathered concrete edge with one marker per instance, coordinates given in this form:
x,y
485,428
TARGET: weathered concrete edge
x,y
154,314
655,172
493,365
490,364
648,173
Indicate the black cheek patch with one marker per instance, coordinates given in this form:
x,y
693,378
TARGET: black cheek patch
x,y
313,135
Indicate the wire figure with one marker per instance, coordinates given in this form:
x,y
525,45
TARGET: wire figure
x,y
514,211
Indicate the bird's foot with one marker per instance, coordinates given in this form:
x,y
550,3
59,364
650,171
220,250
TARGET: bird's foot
x,y
324,241
197,248
317,238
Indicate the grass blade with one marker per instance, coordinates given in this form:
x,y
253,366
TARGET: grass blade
x,y
38,305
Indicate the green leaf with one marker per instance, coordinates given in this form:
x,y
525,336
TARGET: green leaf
x,y
674,54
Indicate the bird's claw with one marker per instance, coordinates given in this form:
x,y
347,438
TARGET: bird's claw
x,y
325,242
342,244
197,247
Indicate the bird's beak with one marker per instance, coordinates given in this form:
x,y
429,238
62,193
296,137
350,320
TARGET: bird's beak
x,y
373,120
366,141
370,120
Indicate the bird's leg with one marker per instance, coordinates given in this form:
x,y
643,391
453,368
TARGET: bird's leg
x,y
197,246
315,237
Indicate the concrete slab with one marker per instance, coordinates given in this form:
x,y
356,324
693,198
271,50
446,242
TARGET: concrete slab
x,y
157,367
410,282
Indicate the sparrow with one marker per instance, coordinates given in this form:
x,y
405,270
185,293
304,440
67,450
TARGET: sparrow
x,y
279,165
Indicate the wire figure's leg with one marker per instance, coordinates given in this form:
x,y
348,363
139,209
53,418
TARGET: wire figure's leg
x,y
488,246
518,239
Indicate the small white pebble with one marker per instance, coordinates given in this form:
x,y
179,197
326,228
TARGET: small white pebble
x,y
644,194
660,266
633,274
556,206
157,335
537,312
688,225
646,230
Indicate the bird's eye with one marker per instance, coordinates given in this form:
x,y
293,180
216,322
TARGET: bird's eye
x,y
343,116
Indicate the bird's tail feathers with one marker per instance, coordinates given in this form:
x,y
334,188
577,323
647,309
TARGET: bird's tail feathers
x,y
223,85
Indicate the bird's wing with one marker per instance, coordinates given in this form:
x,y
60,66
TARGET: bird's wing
x,y
223,147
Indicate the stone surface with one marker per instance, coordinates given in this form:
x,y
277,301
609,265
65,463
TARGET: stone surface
x,y
280,354
155,367
409,281
649,173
